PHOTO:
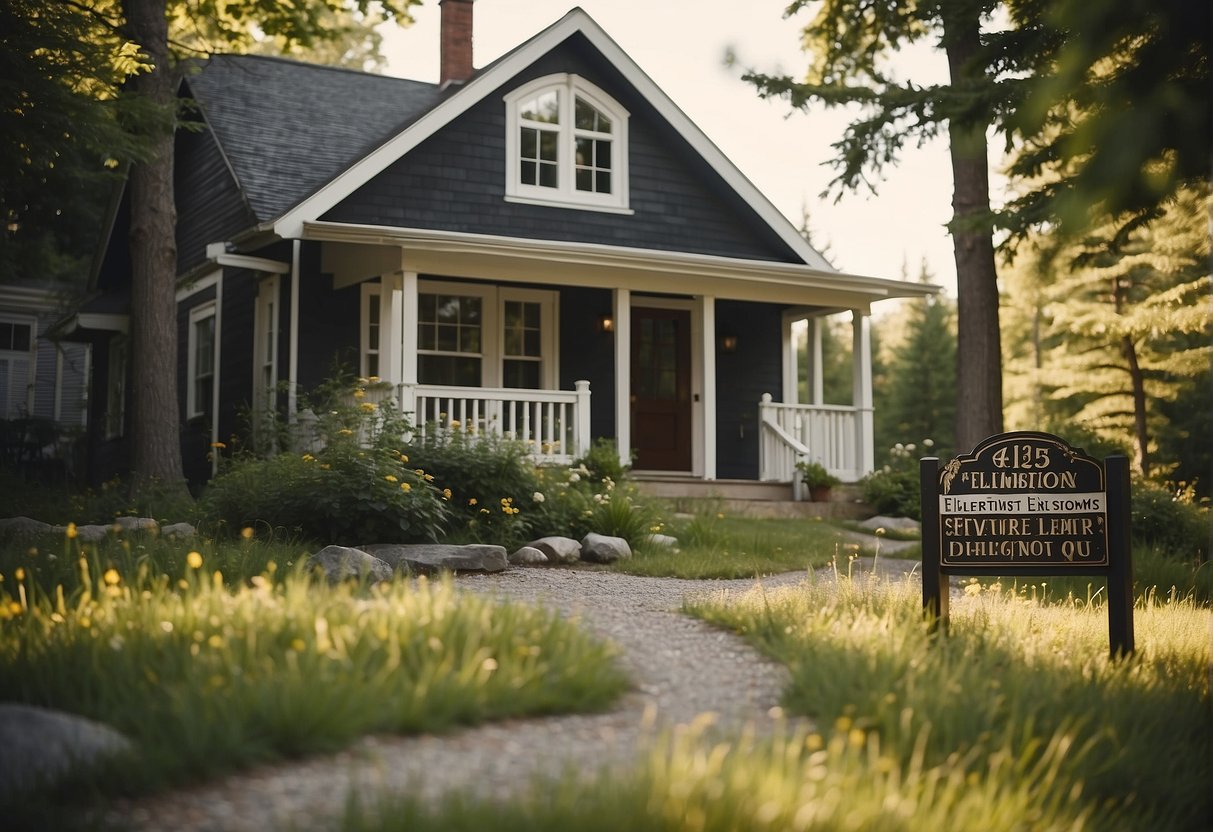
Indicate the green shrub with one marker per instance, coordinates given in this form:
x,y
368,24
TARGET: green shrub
x,y
1170,520
602,462
893,489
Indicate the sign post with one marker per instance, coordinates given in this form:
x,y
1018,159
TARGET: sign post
x,y
1028,503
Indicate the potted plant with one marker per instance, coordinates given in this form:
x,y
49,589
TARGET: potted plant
x,y
818,479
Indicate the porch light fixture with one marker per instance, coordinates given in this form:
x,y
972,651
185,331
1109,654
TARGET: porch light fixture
x,y
728,343
606,323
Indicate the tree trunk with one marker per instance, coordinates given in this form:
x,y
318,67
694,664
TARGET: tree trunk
x,y
156,450
1141,436
978,354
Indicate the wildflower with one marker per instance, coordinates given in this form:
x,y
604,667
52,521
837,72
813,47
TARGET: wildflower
x,y
19,574
446,493
247,532
368,407
454,423
880,532
538,497
419,472
405,487
404,458
973,587
928,443
324,466
359,393
309,458
484,511
472,501
391,478
71,531
33,552
505,501
574,477
218,445
345,432
429,477
112,578
373,379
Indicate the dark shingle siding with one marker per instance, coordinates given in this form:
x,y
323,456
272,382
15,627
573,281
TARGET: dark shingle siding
x,y
455,180
209,205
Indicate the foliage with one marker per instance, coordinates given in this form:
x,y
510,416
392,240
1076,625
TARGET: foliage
x,y
1104,333
815,475
893,489
356,486
62,503
1171,521
208,671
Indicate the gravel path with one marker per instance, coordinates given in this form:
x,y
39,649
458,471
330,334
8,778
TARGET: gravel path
x,y
681,668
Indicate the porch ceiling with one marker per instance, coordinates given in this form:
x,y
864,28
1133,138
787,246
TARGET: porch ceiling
x,y
515,259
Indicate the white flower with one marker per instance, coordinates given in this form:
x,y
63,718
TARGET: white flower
x,y
537,496
928,443
574,477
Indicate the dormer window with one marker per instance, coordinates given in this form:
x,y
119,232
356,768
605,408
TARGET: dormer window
x,y
566,145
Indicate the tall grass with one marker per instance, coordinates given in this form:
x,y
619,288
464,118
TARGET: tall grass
x,y
206,677
1016,720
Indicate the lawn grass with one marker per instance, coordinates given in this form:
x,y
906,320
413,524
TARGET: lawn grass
x,y
210,671
713,545
1017,720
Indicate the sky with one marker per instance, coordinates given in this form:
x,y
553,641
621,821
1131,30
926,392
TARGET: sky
x,y
681,45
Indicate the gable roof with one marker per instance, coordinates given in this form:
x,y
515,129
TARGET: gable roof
x,y
422,125
287,128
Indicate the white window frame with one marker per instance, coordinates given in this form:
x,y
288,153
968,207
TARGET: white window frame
x,y
194,408
492,334
566,195
365,350
20,393
267,317
115,393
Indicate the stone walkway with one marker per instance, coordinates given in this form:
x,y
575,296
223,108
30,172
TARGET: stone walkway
x,y
681,668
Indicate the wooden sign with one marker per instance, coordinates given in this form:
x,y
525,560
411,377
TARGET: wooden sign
x,y
1028,502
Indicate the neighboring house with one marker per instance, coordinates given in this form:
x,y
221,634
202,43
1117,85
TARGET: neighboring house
x,y
546,247
43,383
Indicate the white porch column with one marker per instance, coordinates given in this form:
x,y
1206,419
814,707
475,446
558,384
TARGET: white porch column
x,y
816,384
791,361
391,322
708,345
292,386
861,389
406,347
622,313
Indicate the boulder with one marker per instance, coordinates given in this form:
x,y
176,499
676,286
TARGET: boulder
x,y
89,534
136,524
24,527
179,530
558,549
601,548
42,745
662,541
528,556
428,558
898,524
341,562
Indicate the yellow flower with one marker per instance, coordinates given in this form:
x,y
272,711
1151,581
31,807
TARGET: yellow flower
x,y
71,531
404,486
324,466
112,578
345,432
19,574
368,407
391,478
297,645
454,423
373,379
309,458
218,445
359,393
472,501
247,532
446,493
429,477
419,472
194,559
404,458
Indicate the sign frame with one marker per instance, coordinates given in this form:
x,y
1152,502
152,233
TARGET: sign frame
x,y
1109,506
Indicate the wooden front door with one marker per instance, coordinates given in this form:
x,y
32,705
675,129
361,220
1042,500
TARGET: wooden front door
x,y
661,389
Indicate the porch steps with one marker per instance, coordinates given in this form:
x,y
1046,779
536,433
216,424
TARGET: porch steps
x,y
749,498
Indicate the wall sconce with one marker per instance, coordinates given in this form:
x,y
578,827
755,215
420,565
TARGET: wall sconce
x,y
728,343
606,324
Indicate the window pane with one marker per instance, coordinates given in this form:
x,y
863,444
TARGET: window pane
x,y
469,310
448,369
529,142
6,336
469,339
547,176
544,107
427,337
528,174
448,309
524,374
548,142
585,152
602,154
603,186
22,335
585,179
448,338
531,343
427,306
589,117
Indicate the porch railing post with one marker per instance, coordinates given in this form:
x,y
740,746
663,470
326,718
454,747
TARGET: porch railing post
x,y
581,429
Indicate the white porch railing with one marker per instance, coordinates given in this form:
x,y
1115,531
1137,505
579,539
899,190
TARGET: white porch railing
x,y
828,434
554,423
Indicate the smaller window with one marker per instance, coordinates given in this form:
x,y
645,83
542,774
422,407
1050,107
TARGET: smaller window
x,y
16,368
369,348
202,350
449,339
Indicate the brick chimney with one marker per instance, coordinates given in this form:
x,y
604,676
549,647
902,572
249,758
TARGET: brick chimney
x,y
456,42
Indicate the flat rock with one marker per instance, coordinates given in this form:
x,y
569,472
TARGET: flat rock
x,y
662,541
24,527
898,524
178,530
428,558
41,745
601,548
136,524
558,549
339,563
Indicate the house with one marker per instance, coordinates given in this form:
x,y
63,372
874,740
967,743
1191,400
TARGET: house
x,y
545,247
43,383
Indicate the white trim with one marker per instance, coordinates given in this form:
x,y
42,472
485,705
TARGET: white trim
x,y
706,307
292,400
490,356
409,313
605,266
253,264
390,303
20,392
569,88
29,298
291,223
549,361
104,321
199,313
698,403
268,295
861,382
187,289
622,313
369,289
